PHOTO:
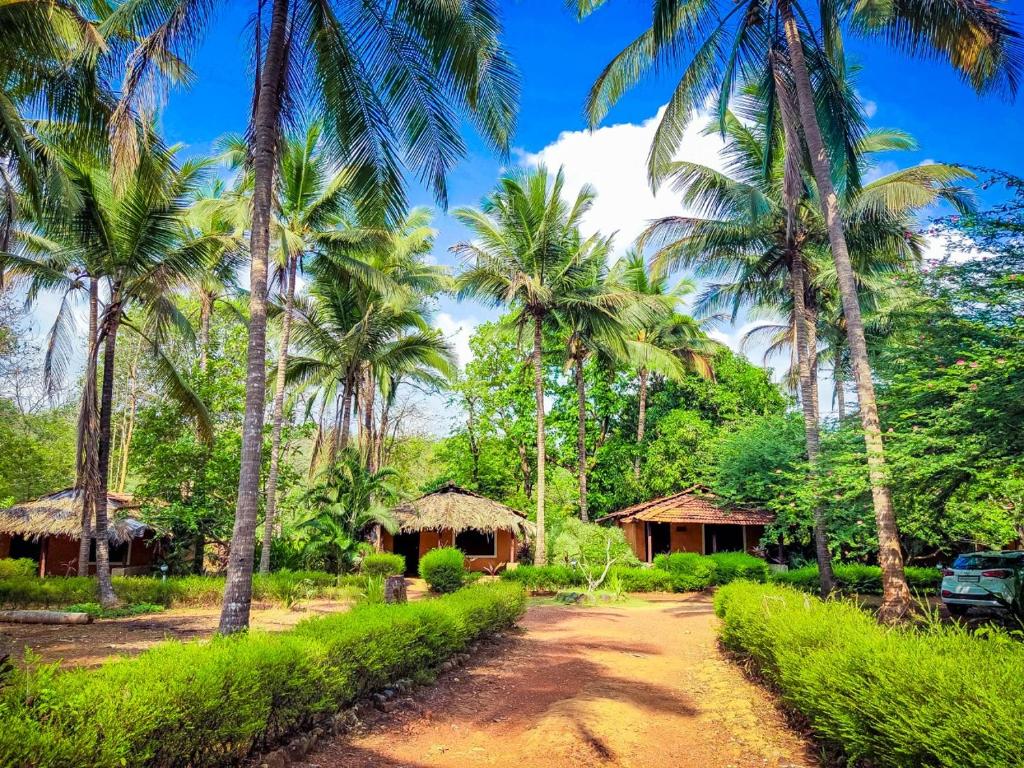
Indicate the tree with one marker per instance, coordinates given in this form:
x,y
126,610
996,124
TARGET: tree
x,y
526,254
974,36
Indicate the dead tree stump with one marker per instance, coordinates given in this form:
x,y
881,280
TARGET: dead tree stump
x,y
394,590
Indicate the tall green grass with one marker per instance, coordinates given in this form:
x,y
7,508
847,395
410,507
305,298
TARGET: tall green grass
x,y
886,697
212,704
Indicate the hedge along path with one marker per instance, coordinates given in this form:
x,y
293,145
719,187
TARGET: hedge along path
x,y
641,684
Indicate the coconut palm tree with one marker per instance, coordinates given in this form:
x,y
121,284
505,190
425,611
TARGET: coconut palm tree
x,y
527,254
390,82
669,344
771,244
777,37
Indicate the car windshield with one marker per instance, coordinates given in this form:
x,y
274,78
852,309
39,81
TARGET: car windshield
x,y
985,561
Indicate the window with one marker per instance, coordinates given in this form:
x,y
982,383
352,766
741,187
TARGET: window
x,y
477,543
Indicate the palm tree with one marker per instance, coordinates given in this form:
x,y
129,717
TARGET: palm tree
x,y
390,81
670,343
761,230
974,35
527,254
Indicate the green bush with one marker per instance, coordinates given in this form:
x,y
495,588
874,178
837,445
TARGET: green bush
x,y
383,564
444,569
212,704
730,566
19,567
544,578
641,579
690,572
97,611
887,697
857,579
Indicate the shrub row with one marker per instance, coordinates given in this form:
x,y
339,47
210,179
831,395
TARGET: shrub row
x,y
857,579
444,569
18,568
382,564
692,572
207,704
279,587
891,698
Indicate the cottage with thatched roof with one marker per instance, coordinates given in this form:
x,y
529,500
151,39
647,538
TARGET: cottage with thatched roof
x,y
694,520
49,528
486,531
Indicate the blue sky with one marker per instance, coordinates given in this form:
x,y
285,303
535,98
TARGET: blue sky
x,y
558,59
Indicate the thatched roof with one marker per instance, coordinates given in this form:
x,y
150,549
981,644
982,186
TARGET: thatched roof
x,y
457,509
696,504
60,514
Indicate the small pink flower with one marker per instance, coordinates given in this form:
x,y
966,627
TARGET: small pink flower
x,y
1000,360
974,387
961,361
974,364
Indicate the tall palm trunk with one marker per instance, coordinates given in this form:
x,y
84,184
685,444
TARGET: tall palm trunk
x,y
540,550
346,413
581,436
112,322
896,594
278,417
641,419
238,586
205,316
367,432
87,430
128,430
809,403
840,385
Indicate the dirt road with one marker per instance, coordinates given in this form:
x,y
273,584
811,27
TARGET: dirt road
x,y
640,684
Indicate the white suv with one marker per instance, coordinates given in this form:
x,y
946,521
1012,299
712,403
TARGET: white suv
x,y
984,579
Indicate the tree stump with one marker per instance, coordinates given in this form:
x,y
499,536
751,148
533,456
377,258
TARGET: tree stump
x,y
394,590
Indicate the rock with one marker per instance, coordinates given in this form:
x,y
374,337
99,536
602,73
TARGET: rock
x,y
342,722
395,590
379,700
446,666
276,759
299,748
388,706
389,693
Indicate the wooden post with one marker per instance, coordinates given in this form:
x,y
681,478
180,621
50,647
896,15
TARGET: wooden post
x,y
43,546
650,543
394,590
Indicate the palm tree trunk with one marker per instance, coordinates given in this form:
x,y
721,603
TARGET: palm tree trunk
x,y
199,555
112,321
346,412
809,403
238,586
129,424
278,417
641,419
540,549
367,436
896,594
581,437
205,315
87,431
840,386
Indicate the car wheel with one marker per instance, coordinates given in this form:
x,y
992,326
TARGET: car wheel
x,y
957,610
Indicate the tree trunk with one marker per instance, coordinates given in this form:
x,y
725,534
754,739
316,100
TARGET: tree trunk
x,y
896,594
581,436
809,403
540,548
129,425
346,415
839,382
278,417
524,469
112,322
238,586
366,437
205,315
88,429
641,420
199,555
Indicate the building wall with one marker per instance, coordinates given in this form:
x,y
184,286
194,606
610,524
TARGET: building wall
x,y
506,547
686,537
636,538
5,545
754,534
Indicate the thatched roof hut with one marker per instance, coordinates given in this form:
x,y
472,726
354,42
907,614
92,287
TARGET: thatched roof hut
x,y
456,509
60,514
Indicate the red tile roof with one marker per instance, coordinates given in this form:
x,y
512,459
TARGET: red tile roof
x,y
694,505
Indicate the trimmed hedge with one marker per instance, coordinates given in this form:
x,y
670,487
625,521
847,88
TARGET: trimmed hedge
x,y
730,566
277,587
444,569
690,572
382,564
857,579
887,697
211,704
544,578
641,579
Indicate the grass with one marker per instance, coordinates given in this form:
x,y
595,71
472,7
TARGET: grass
x,y
97,611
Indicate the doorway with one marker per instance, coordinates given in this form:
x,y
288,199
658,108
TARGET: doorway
x,y
408,546
723,538
659,538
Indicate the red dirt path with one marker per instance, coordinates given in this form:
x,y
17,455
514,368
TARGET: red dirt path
x,y
642,684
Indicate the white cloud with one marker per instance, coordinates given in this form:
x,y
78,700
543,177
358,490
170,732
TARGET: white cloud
x,y
870,109
940,247
614,161
457,331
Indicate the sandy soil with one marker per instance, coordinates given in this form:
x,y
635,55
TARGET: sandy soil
x,y
640,684
88,645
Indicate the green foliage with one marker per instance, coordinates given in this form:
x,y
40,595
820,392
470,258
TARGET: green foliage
x,y
97,611
957,699
544,578
690,572
18,568
641,579
41,455
374,594
590,548
857,579
382,564
209,704
730,566
444,569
